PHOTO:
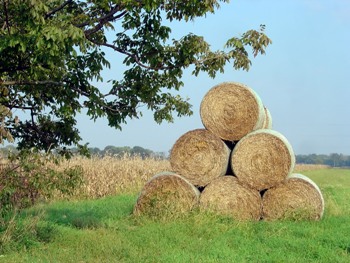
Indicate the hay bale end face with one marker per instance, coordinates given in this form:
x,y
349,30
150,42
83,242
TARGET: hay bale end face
x,y
166,195
226,196
200,157
262,159
298,198
231,110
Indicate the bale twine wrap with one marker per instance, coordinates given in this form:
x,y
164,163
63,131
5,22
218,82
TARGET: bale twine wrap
x,y
296,198
231,110
267,124
166,194
262,159
227,196
199,156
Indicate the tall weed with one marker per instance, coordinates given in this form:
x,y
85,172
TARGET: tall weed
x,y
31,176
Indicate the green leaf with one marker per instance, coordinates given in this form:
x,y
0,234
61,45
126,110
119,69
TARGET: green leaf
x,y
52,54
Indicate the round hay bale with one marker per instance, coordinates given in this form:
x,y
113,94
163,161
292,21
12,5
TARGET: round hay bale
x,y
297,198
262,159
227,196
231,110
199,156
267,124
166,195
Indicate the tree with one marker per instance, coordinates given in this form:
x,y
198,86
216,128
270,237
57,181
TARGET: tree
x,y
51,51
139,151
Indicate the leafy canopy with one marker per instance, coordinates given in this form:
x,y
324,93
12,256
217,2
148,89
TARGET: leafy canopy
x,y
51,51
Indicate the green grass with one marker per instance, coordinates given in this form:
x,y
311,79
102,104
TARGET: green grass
x,y
104,231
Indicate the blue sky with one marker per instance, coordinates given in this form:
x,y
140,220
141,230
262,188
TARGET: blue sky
x,y
303,79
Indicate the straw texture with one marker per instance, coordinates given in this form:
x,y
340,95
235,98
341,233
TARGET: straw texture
x,y
166,194
242,167
200,157
296,198
231,110
262,159
225,195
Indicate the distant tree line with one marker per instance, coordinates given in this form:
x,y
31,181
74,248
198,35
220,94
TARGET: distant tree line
x,y
126,150
108,150
333,159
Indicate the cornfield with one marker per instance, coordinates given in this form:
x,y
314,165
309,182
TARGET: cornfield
x,y
309,167
112,175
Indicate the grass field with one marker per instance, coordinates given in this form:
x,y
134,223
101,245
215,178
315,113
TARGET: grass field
x,y
103,230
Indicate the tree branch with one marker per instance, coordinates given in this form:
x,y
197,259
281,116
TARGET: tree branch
x,y
105,19
100,103
52,12
19,82
6,17
20,67
81,92
10,106
134,56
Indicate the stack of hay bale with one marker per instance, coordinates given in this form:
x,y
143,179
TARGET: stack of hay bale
x,y
237,166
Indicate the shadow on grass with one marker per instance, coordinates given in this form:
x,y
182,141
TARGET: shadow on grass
x,y
72,218
88,214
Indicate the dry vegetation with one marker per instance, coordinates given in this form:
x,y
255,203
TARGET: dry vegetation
x,y
113,175
128,174
309,167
